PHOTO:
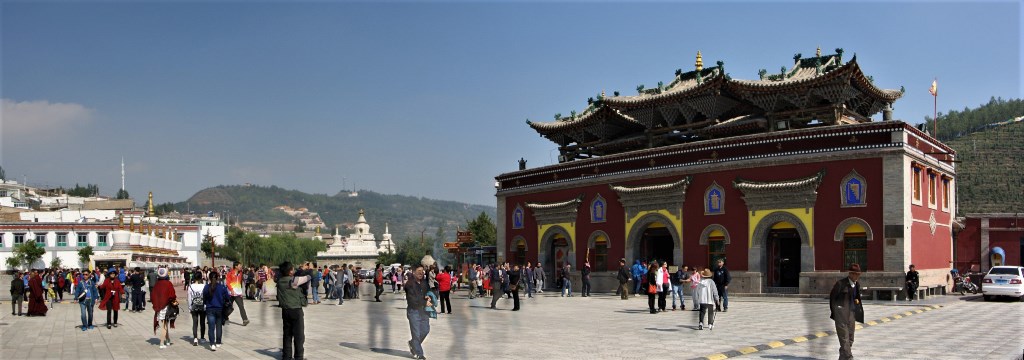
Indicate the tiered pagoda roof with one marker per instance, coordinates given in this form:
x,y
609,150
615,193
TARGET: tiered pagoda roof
x,y
706,103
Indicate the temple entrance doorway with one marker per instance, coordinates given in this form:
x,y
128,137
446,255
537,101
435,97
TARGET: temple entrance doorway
x,y
783,245
656,243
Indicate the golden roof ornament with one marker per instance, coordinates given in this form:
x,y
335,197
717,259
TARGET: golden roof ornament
x,y
700,62
151,212
131,224
120,221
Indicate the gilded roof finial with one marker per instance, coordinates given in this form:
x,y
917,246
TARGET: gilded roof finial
x,y
700,62
120,221
151,212
818,53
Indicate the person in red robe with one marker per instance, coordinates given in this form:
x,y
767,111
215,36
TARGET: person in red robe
x,y
162,296
112,291
36,303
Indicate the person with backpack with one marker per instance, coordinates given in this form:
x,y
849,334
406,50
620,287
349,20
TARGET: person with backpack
x,y
378,281
197,308
216,298
165,305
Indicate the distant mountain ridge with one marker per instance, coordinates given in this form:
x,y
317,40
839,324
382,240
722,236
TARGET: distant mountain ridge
x,y
406,216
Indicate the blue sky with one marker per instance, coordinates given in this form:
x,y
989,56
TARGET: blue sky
x,y
422,99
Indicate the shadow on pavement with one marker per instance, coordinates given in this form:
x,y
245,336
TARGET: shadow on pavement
x,y
664,330
274,353
788,357
392,352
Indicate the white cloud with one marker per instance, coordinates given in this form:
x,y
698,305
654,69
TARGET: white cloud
x,y
30,121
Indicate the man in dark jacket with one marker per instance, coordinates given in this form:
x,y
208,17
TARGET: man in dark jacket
x,y
623,277
136,281
722,279
585,275
846,310
529,280
17,294
913,280
292,301
151,280
417,299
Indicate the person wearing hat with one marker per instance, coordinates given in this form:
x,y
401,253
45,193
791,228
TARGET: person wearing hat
x,y
706,295
112,291
846,309
623,277
165,305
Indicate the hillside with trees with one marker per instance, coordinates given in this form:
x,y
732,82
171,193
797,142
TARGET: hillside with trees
x,y
989,141
990,172
955,124
407,216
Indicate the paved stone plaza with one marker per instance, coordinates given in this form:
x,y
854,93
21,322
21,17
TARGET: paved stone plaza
x,y
599,327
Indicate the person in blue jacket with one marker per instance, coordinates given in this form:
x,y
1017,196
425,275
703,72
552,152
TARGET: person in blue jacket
x,y
215,297
86,295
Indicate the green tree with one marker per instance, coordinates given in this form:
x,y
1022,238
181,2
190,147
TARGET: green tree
x,y
56,262
3,175
122,194
85,255
485,233
14,262
87,190
29,252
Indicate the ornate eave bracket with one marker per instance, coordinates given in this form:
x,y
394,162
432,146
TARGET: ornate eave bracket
x,y
786,194
557,212
668,196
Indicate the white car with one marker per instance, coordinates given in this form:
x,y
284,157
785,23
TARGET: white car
x,y
1003,281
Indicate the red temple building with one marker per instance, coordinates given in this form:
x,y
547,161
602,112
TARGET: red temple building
x,y
786,177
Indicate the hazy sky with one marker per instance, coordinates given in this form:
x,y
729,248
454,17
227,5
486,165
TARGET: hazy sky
x,y
416,99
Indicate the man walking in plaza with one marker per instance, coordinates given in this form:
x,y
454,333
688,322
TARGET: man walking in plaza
x,y
539,275
638,276
378,281
495,277
623,277
138,300
150,281
677,287
585,277
846,310
234,284
473,276
17,294
566,282
722,279
292,317
417,301
529,280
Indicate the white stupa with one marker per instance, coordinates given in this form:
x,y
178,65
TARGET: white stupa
x,y
359,248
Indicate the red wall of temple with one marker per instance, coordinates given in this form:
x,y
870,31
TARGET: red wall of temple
x,y
968,244
1005,233
828,214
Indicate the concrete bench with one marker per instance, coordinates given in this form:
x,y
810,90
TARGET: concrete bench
x,y
893,291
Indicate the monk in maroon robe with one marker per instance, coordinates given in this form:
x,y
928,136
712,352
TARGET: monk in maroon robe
x,y
36,304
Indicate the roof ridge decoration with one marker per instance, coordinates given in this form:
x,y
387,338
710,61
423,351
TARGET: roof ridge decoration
x,y
556,212
668,196
785,194
820,88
